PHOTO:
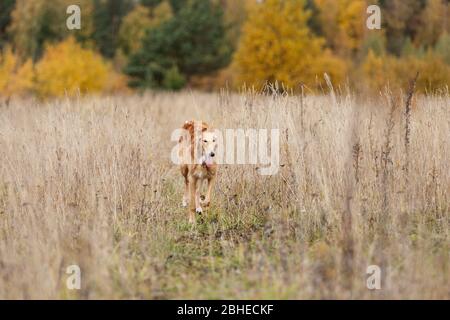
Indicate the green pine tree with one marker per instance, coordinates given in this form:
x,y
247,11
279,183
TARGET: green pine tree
x,y
191,43
6,7
177,4
150,3
108,15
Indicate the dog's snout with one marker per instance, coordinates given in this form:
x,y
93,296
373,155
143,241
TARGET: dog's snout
x,y
212,154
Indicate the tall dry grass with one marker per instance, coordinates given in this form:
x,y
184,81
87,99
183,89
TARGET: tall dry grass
x,y
90,182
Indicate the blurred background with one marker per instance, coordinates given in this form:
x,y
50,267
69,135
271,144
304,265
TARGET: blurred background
x,y
126,45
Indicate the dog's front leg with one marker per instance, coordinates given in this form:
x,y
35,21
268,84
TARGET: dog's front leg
x,y
208,192
192,201
185,201
185,173
198,208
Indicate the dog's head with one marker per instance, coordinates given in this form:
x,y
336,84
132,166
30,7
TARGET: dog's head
x,y
203,142
208,142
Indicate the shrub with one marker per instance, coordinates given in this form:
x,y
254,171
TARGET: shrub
x,y
15,78
443,47
434,73
173,79
379,71
67,68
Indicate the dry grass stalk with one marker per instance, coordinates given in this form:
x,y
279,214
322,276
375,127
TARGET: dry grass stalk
x,y
412,88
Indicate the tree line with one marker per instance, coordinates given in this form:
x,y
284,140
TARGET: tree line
x,y
170,44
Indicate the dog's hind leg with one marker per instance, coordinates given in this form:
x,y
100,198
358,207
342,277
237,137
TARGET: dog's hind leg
x,y
193,205
185,201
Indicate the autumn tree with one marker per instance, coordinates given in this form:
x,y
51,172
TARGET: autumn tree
x,y
402,21
277,46
433,20
235,14
343,24
34,23
136,23
27,27
6,7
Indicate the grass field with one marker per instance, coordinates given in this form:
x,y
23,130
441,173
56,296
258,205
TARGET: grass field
x,y
90,182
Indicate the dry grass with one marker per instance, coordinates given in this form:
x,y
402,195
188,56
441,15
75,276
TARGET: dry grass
x,y
90,182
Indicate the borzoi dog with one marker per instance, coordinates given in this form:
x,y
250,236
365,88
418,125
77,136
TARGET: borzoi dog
x,y
197,151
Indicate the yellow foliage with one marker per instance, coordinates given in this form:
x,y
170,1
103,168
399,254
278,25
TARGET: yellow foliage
x,y
374,71
67,68
277,46
161,13
379,71
343,22
15,78
352,23
132,29
434,72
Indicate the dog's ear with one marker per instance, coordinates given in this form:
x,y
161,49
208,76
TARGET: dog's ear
x,y
188,125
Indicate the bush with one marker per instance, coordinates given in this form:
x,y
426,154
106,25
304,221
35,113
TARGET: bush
x,y
378,71
173,79
15,78
443,47
68,69
434,73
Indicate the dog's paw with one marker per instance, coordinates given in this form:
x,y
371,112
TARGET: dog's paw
x,y
199,210
184,203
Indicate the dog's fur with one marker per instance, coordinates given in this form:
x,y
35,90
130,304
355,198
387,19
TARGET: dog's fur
x,y
197,149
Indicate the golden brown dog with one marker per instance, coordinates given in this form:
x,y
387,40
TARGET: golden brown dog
x,y
198,148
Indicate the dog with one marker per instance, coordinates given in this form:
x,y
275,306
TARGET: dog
x,y
197,151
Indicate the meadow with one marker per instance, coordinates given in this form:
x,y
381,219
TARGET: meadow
x,y
362,181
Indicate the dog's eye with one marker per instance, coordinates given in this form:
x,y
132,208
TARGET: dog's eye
x,y
205,141
214,140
